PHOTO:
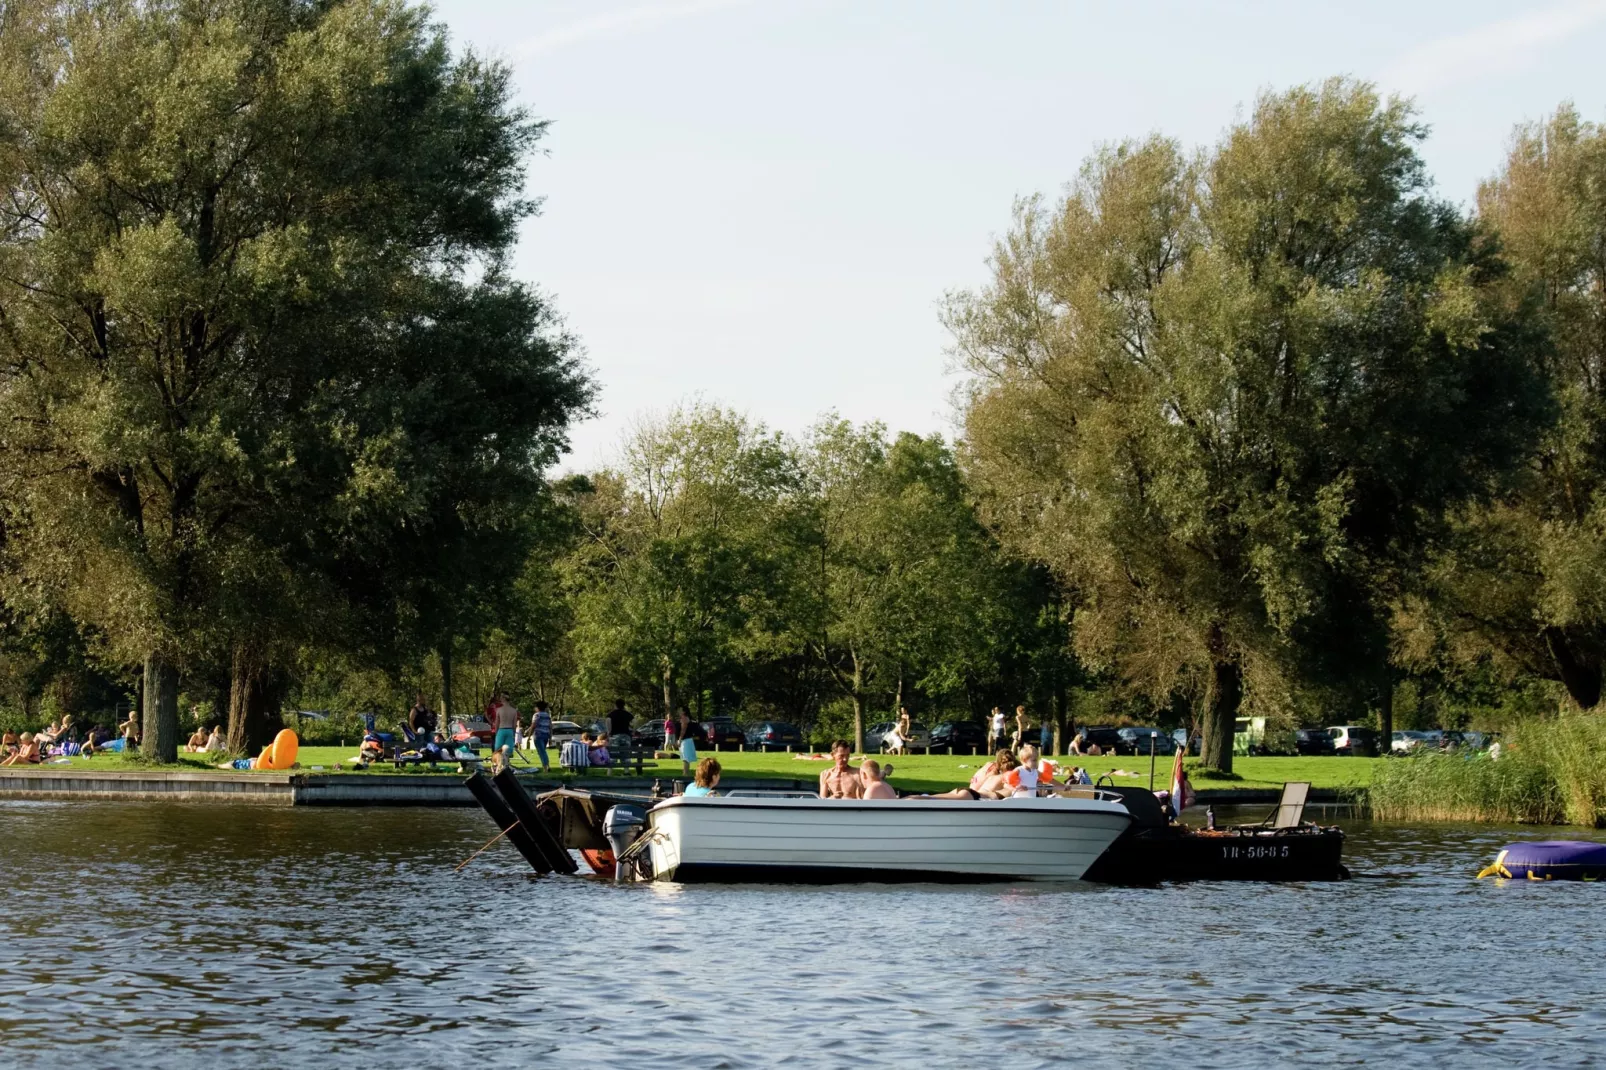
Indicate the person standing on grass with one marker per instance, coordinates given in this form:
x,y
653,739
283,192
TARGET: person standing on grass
x,y
541,732
619,719
688,742
996,741
505,719
841,781
1020,727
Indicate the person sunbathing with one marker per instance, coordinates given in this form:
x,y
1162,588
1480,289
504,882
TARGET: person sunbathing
x,y
197,742
988,781
8,744
27,752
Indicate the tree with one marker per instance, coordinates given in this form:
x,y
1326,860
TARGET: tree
x,y
1219,393
678,564
909,592
235,234
1523,582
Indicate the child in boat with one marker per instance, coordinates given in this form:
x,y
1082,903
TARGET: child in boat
x,y
708,771
1032,774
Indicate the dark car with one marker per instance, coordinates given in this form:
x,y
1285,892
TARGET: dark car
x,y
1138,739
1107,739
650,733
961,736
1312,741
722,732
774,735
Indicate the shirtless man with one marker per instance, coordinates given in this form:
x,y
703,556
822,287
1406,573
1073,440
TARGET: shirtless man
x,y
870,780
841,781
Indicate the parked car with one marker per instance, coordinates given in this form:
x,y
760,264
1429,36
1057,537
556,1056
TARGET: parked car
x,y
475,726
919,738
1137,739
1182,739
774,735
650,733
564,731
1106,737
1312,741
722,732
959,736
1353,740
1409,741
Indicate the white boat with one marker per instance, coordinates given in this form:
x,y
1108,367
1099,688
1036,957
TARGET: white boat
x,y
810,839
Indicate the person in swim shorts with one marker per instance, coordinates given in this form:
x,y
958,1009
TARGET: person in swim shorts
x,y
505,719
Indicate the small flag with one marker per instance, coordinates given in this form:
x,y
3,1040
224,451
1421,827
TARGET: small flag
x,y
1181,791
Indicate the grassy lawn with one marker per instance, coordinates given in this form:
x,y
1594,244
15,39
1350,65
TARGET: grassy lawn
x,y
916,772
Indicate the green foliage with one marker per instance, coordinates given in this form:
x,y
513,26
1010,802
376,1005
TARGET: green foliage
x,y
1522,582
1228,396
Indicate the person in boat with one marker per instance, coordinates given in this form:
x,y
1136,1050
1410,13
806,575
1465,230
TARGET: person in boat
x,y
841,781
1032,776
988,781
872,784
707,779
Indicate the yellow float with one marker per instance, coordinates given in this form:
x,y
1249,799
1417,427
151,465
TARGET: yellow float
x,y
281,753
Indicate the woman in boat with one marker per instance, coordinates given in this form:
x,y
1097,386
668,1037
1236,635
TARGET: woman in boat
x,y
707,779
988,782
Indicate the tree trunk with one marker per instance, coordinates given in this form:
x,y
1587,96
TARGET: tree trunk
x,y
669,689
1385,712
1221,714
858,705
160,725
1060,742
1581,676
253,703
446,681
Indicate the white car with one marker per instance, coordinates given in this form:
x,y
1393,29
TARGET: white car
x,y
919,737
564,731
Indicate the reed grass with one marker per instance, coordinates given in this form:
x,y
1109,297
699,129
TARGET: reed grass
x,y
1551,771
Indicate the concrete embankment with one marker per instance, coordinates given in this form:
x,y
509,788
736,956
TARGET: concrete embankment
x,y
379,789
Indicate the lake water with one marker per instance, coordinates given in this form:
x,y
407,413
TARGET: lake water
x,y
193,936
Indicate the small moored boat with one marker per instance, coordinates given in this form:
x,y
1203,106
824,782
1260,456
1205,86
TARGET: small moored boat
x,y
804,838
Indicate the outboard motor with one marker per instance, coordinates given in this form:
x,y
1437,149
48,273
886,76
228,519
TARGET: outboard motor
x,y
623,825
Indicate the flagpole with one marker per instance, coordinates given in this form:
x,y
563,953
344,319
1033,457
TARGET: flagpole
x,y
1151,762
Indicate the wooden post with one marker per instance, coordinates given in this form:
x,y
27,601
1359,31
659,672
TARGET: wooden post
x,y
507,782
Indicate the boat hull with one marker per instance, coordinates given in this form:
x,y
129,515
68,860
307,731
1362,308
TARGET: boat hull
x,y
1178,853
833,840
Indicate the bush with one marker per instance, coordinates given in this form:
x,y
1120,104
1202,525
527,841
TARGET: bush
x,y
1552,770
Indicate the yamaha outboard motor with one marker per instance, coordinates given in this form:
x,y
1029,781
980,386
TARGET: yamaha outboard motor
x,y
623,825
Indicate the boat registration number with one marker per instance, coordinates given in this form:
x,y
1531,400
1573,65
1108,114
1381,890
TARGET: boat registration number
x,y
1254,851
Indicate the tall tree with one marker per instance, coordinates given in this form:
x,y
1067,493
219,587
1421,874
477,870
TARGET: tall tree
x,y
233,230
1214,392
1525,581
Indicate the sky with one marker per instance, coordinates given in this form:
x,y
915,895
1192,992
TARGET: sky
x,y
761,203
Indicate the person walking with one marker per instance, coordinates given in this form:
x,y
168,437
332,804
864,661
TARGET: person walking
x,y
688,742
1020,728
505,719
541,732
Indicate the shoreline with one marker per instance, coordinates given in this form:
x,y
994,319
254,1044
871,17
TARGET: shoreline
x,y
424,789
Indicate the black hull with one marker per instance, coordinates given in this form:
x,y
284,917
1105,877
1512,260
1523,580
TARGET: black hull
x,y
1177,853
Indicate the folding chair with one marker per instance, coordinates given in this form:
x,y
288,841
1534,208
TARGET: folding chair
x,y
1291,807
